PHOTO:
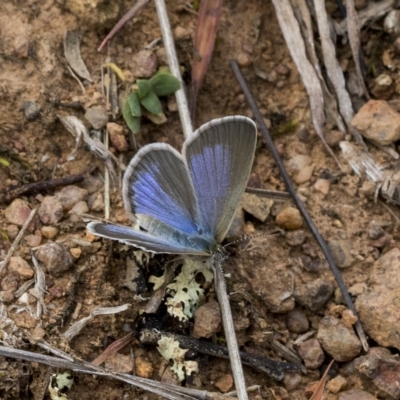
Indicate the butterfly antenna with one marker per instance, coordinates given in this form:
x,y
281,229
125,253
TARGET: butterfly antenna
x,y
248,237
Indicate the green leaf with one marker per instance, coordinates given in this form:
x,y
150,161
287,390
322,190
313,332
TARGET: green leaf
x,y
151,103
163,84
4,161
134,104
144,87
132,121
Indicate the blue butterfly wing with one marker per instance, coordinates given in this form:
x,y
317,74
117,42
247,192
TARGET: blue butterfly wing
x,y
219,156
157,184
145,240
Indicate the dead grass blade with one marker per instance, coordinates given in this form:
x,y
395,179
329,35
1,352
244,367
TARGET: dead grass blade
x,y
129,15
292,34
333,69
112,349
354,38
206,32
319,391
72,52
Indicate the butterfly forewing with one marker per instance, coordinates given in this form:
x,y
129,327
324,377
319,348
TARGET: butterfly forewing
x,y
157,184
219,158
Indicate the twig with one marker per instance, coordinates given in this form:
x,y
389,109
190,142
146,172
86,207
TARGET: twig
x,y
11,194
4,263
270,194
290,188
106,181
169,45
162,389
229,329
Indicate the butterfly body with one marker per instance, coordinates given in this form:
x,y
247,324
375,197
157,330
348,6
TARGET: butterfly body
x,y
185,203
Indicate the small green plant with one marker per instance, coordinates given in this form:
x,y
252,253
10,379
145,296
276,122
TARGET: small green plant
x,y
146,96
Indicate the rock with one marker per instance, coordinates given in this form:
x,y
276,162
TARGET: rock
x,y
341,252
38,333
143,368
92,184
120,363
291,381
383,369
334,137
97,116
348,318
304,175
322,185
70,195
356,394
244,59
207,320
225,383
379,307
377,121
20,267
56,258
75,252
96,202
51,210
9,282
336,384
49,232
312,354
33,240
297,322
117,136
338,340
375,232
7,296
79,208
314,294
258,207
12,231
295,238
144,64
298,162
24,320
383,87
290,219
31,110
17,212
357,289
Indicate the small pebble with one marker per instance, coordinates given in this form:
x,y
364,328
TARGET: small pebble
x,y
181,33
298,162
20,267
336,384
143,368
117,136
322,185
96,202
33,240
314,294
244,59
9,282
334,137
7,296
291,380
304,175
357,289
348,318
76,252
341,252
289,219
55,258
24,320
312,354
97,116
12,231
38,333
79,208
338,340
17,212
51,210
31,110
144,64
225,383
258,207
297,322
49,232
207,320
70,195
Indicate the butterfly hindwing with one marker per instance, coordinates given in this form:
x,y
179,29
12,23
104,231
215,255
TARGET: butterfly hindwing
x,y
219,157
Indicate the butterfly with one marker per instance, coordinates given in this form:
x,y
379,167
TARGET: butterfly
x,y
185,203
